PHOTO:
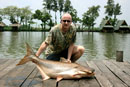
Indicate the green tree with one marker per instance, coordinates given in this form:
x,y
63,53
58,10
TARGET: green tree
x,y
50,23
109,8
73,13
90,16
25,15
43,16
15,14
75,18
61,6
67,6
1,14
18,13
117,11
55,9
112,9
48,5
0,18
86,20
30,23
10,13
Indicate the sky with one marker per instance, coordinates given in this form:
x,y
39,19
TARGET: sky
x,y
80,5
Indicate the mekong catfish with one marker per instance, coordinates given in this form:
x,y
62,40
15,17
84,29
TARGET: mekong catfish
x,y
56,69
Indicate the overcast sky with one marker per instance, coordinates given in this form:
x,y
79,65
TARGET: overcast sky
x,y
80,5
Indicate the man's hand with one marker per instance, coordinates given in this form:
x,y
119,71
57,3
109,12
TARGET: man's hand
x,y
68,60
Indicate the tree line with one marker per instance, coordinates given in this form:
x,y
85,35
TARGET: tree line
x,y
25,17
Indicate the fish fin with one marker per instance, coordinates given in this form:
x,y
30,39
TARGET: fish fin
x,y
62,59
59,78
27,57
23,61
46,78
77,75
44,75
29,50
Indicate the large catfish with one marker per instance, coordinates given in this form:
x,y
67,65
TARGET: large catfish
x,y
56,69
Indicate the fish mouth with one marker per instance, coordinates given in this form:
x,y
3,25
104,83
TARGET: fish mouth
x,y
83,74
90,74
91,71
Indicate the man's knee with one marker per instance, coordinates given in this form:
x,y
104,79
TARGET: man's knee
x,y
78,50
78,53
81,49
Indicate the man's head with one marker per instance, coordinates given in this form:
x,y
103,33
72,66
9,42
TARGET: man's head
x,y
66,21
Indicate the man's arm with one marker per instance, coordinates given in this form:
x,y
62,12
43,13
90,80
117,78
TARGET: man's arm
x,y
70,51
44,45
42,48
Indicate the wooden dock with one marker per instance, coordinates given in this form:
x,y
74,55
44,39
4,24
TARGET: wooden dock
x,y
109,73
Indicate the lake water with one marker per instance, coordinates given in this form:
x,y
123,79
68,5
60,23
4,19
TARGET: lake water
x,y
97,45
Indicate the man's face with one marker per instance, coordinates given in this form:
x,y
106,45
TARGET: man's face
x,y
66,22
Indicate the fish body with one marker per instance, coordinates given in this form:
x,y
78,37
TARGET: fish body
x,y
56,69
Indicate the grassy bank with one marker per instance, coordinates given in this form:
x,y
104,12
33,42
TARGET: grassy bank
x,y
25,28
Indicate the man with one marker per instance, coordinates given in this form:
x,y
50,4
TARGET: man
x,y
60,42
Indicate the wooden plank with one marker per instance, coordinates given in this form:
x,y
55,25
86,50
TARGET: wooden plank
x,y
37,81
69,83
30,78
118,72
5,81
127,64
101,78
6,63
49,83
17,76
122,66
28,70
108,74
3,61
112,78
88,82
8,67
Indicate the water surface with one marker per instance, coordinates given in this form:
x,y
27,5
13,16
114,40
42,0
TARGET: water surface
x,y
97,45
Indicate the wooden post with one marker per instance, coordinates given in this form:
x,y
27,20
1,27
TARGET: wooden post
x,y
119,56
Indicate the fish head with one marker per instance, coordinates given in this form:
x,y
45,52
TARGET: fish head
x,y
84,72
81,74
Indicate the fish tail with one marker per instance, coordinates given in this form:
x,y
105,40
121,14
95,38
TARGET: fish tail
x,y
28,56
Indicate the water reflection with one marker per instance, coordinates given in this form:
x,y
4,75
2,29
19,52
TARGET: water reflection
x,y
89,42
97,45
103,45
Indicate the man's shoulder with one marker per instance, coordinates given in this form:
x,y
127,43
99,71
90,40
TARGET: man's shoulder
x,y
55,28
73,27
